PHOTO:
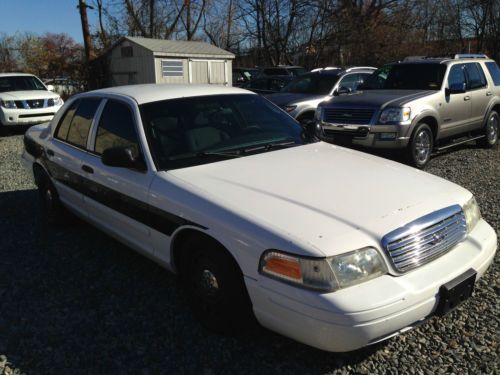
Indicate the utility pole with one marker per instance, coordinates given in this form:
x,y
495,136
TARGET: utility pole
x,y
89,51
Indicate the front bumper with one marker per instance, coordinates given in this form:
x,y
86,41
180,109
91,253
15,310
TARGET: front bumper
x,y
366,135
367,313
20,116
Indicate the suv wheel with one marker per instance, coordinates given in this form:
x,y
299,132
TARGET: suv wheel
x,y
214,286
490,130
421,145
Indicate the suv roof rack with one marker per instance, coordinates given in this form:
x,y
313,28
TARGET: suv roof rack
x,y
326,68
470,56
360,67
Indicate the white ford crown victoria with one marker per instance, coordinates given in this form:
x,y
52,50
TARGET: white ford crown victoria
x,y
329,246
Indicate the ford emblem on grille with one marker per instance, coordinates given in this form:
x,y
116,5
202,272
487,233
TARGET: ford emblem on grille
x,y
437,239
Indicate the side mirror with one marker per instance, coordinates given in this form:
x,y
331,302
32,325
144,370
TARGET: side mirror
x,y
456,88
50,87
122,157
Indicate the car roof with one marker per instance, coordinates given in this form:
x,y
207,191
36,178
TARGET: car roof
x,y
155,92
16,74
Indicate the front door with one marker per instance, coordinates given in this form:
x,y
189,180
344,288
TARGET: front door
x,y
478,91
456,109
117,197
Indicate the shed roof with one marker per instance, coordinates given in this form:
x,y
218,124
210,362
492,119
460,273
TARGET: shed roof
x,y
180,48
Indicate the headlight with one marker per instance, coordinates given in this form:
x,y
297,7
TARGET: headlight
x,y
324,274
472,214
58,101
395,115
8,103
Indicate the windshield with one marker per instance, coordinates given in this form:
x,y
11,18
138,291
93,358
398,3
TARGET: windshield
x,y
406,77
190,131
20,83
312,84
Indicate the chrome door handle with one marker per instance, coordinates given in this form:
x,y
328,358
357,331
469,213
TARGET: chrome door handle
x,y
466,97
488,93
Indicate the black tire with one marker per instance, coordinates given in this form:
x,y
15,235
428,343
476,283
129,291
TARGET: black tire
x,y
305,118
214,286
52,210
420,146
490,131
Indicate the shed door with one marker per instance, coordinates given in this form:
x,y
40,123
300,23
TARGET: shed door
x,y
199,72
218,72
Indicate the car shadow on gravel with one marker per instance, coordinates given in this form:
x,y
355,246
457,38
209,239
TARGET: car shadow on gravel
x,y
13,130
73,300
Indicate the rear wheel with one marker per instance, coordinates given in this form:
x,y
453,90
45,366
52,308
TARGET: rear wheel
x,y
420,147
51,207
214,286
490,130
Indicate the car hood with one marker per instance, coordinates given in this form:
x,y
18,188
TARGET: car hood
x,y
378,98
284,98
27,95
323,198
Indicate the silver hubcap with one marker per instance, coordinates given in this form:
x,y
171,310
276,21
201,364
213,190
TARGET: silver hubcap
x,y
492,131
422,145
209,281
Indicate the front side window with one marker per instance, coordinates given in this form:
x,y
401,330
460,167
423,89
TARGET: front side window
x,y
75,125
456,76
475,76
427,76
190,131
350,81
116,128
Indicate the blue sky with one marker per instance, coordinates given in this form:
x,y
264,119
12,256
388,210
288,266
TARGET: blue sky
x,y
41,16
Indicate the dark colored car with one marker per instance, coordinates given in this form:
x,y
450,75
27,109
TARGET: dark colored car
x,y
242,75
267,84
284,70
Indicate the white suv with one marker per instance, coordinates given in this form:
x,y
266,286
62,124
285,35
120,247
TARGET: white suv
x,y
224,188
25,100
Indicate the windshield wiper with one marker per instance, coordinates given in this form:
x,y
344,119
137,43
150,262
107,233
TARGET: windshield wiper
x,y
271,146
226,154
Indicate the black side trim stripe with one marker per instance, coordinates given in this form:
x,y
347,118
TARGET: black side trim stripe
x,y
144,213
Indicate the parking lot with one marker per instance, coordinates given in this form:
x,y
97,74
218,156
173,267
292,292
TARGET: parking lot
x,y
73,300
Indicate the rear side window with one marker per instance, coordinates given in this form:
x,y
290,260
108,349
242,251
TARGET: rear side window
x,y
475,76
75,125
116,128
494,72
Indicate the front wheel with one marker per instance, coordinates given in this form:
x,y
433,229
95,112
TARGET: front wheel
x,y
420,147
214,286
490,131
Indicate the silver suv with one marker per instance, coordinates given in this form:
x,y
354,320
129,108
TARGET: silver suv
x,y
302,95
420,105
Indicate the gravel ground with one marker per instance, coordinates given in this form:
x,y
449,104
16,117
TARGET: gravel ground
x,y
73,300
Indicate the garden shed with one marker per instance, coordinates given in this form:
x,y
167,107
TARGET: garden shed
x,y
134,60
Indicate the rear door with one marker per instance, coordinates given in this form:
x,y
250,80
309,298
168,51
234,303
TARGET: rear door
x,y
117,197
456,108
67,150
479,92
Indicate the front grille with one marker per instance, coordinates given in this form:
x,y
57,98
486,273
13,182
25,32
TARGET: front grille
x,y
361,132
34,104
348,115
425,239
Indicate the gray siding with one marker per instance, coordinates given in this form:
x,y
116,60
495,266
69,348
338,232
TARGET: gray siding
x,y
139,68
